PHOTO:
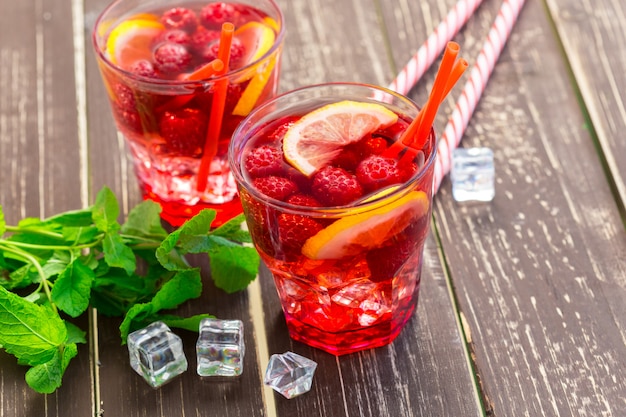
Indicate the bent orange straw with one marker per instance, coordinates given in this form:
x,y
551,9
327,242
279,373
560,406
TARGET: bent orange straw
x,y
217,107
450,81
209,70
418,131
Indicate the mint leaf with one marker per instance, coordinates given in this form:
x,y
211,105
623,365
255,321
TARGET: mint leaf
x,y
72,288
233,267
167,254
46,377
74,218
74,333
187,238
145,220
30,332
183,286
232,230
56,263
105,211
187,323
117,254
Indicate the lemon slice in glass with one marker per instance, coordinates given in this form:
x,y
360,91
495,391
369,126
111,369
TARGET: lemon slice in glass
x,y
131,41
317,138
366,230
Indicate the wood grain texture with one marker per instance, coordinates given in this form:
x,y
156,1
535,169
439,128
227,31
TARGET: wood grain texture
x,y
593,34
540,272
40,166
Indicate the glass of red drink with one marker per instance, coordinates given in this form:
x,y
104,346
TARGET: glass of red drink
x,y
177,97
338,213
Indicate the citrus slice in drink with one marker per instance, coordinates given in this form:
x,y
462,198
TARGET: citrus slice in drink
x,y
318,137
131,41
258,38
366,230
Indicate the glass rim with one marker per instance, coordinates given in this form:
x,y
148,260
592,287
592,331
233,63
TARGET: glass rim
x,y
154,81
363,205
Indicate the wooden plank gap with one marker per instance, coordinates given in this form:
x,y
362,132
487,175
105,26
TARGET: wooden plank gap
x,y
480,396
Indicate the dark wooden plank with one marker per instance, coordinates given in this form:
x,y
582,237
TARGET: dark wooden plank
x,y
593,36
536,278
123,392
40,166
425,372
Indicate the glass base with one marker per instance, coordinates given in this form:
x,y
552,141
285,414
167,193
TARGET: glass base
x,y
176,213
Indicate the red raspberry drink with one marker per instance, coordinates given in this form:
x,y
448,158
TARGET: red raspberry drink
x,y
338,219
175,103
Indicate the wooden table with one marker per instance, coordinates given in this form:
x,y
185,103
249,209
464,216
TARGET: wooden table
x,y
523,303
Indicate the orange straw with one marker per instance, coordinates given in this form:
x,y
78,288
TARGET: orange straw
x,y
434,100
417,132
217,107
209,70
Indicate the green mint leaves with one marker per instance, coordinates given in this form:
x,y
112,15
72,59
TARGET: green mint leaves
x,y
56,268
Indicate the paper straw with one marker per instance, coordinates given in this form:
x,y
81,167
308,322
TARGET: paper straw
x,y
434,46
475,85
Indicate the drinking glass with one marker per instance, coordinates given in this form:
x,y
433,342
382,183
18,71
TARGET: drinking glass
x,y
347,273
173,102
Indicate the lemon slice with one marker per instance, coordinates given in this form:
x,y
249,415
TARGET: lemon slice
x,y
257,38
131,41
361,232
253,90
317,138
261,36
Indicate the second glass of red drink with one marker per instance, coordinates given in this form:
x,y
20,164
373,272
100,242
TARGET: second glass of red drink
x,y
180,76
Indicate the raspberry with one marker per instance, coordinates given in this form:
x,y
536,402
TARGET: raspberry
x,y
144,68
184,131
376,172
263,161
303,200
130,119
214,14
275,187
202,38
125,98
237,51
173,36
372,145
180,18
294,230
171,58
335,186
283,126
257,219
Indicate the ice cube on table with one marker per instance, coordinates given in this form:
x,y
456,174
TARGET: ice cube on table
x,y
290,374
156,354
220,348
472,174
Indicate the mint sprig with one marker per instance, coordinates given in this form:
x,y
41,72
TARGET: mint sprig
x,y
58,267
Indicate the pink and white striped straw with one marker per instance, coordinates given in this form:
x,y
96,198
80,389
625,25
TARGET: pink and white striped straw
x,y
475,85
434,46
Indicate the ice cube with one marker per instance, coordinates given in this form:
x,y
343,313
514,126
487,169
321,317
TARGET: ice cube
x,y
290,374
220,348
156,354
472,174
